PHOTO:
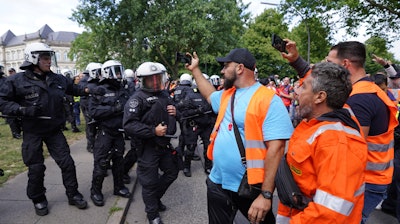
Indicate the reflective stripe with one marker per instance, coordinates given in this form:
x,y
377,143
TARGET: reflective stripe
x,y
255,164
333,202
336,127
360,190
375,147
350,111
379,166
280,219
255,144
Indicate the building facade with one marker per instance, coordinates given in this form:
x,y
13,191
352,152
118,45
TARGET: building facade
x,y
12,47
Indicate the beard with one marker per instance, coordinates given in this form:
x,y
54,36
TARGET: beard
x,y
305,112
228,83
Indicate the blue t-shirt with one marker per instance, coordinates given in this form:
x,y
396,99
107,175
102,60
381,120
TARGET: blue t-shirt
x,y
227,165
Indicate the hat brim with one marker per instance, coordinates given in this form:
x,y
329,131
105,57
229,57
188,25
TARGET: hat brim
x,y
223,59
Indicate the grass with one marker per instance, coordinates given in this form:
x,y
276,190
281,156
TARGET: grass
x,y
10,150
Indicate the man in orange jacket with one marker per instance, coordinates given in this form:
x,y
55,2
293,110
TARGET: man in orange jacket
x,y
373,109
326,151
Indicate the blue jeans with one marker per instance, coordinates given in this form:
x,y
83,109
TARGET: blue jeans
x,y
374,194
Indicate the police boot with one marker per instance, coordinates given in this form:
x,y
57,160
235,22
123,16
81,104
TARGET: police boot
x,y
188,159
95,191
78,201
41,206
119,187
74,128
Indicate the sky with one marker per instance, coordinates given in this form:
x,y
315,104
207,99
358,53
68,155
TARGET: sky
x,y
28,16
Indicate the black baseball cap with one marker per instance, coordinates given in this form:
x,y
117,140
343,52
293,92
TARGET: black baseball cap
x,y
241,56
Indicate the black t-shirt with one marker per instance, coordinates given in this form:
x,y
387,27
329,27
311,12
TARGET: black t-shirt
x,y
370,111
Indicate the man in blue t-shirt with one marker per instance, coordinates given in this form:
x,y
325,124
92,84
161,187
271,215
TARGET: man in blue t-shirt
x,y
227,172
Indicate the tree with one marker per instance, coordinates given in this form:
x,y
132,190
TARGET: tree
x,y
134,31
381,18
378,46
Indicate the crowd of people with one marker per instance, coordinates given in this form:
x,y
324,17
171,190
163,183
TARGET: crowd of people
x,y
335,128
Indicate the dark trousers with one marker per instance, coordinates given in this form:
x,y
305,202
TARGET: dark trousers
x,y
151,159
223,204
392,202
32,155
15,125
90,128
109,149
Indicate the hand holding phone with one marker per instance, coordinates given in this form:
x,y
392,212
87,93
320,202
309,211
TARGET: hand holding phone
x,y
278,43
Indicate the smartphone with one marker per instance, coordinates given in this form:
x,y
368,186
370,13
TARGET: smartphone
x,y
183,58
278,43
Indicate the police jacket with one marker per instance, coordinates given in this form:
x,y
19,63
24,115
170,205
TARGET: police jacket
x,y
143,112
107,109
326,156
27,89
180,96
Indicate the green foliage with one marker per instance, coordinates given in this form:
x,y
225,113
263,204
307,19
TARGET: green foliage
x,y
378,46
258,40
381,18
134,31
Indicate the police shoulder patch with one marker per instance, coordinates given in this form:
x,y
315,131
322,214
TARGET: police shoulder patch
x,y
133,103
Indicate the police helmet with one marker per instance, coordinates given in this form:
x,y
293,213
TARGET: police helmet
x,y
215,80
185,79
152,76
129,73
112,69
32,53
67,73
94,70
204,75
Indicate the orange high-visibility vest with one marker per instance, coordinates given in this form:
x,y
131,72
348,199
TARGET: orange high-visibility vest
x,y
379,168
325,158
255,147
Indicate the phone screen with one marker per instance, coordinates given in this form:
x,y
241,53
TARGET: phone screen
x,y
278,43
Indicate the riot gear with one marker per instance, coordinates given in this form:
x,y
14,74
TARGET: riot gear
x,y
34,51
94,70
152,76
185,79
112,69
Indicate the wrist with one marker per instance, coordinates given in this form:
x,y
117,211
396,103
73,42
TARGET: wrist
x,y
267,194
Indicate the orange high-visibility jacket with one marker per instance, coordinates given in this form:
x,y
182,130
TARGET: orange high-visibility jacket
x,y
327,159
379,169
255,147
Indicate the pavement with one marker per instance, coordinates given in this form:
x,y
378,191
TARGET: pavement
x,y
185,199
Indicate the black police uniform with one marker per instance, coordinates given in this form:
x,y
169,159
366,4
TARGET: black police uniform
x,y
181,102
90,127
29,95
130,157
109,146
196,121
143,112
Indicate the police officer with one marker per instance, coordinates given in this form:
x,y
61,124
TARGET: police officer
x,y
39,92
90,80
109,146
149,116
195,122
69,104
130,157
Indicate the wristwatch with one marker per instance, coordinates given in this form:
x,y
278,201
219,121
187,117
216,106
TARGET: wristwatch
x,y
267,194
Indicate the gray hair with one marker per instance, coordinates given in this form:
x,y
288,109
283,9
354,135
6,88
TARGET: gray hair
x,y
334,80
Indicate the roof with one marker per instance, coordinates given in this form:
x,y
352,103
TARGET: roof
x,y
10,39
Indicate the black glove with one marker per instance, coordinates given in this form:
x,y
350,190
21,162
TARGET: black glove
x,y
32,111
99,90
117,108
